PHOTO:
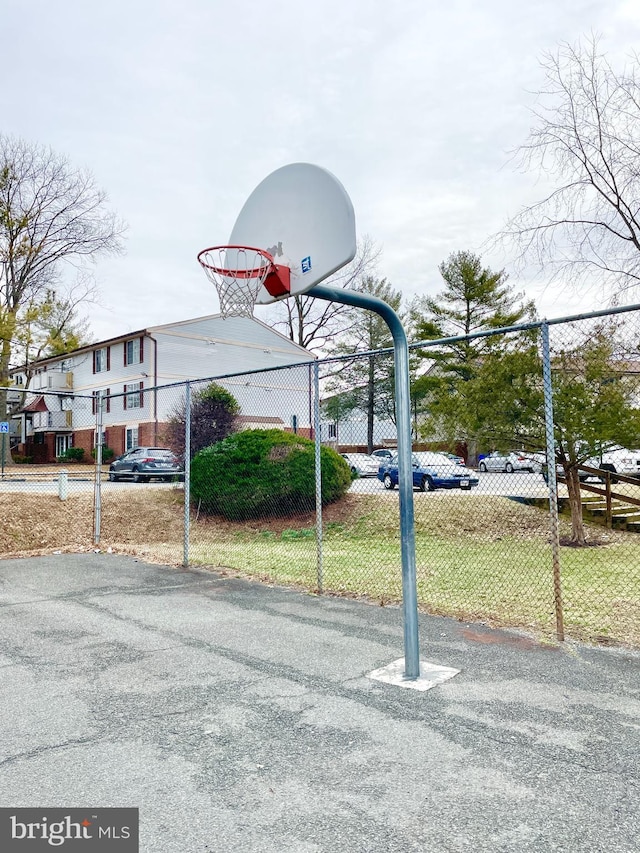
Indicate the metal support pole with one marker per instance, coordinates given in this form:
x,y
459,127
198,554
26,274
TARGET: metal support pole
x,y
405,473
97,492
187,473
317,441
551,478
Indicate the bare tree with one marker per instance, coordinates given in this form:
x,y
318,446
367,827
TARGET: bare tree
x,y
50,213
312,323
54,325
586,142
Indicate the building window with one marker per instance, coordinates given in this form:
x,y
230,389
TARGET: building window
x,y
101,359
106,400
63,443
333,431
131,438
133,395
133,352
96,436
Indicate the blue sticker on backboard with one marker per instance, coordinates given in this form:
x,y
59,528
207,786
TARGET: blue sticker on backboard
x,y
306,264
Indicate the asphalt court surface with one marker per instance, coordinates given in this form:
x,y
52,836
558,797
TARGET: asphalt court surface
x,y
239,717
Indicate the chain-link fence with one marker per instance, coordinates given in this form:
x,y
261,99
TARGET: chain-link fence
x,y
501,535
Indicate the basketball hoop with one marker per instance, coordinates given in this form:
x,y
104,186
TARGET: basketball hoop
x,y
238,273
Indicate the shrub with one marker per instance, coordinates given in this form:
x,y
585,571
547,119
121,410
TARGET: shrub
x,y
264,472
22,460
72,454
213,415
107,453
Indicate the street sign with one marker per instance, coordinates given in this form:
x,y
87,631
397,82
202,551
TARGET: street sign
x,y
4,426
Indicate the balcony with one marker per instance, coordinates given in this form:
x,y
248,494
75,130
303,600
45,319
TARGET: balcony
x,y
52,421
14,395
52,380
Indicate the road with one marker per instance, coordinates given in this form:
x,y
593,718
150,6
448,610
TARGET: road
x,y
76,484
510,485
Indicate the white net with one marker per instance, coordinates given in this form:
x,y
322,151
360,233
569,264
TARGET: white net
x,y
238,274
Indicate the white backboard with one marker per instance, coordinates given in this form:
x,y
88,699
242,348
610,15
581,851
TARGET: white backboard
x,y
302,215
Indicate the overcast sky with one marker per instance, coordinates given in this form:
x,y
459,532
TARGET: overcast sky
x,y
179,109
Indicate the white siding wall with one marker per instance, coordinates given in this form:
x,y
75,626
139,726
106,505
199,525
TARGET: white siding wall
x,y
353,430
193,350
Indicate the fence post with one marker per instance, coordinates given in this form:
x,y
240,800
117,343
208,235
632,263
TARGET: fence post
x,y
551,478
63,484
97,492
317,441
609,509
187,473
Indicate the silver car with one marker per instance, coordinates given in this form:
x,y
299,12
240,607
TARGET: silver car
x,y
383,453
619,460
143,463
509,462
361,464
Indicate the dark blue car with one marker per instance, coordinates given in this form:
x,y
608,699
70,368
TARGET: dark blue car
x,y
430,471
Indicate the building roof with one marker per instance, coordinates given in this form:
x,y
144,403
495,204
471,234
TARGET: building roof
x,y
259,421
167,327
38,404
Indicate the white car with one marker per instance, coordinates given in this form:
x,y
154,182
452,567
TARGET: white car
x,y
382,453
509,462
361,464
619,460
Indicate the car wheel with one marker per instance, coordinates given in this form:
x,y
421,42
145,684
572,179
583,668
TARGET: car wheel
x,y
483,467
612,471
426,484
388,482
508,468
137,476
354,472
113,477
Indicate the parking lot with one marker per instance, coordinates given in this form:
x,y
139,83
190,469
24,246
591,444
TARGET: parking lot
x,y
516,485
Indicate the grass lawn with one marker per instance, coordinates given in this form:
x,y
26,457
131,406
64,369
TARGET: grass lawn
x,y
478,557
485,558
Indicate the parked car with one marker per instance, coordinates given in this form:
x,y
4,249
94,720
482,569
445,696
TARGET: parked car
x,y
509,462
582,475
619,460
430,471
383,453
458,460
361,464
143,463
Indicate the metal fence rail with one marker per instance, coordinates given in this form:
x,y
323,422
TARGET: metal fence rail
x,y
500,551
